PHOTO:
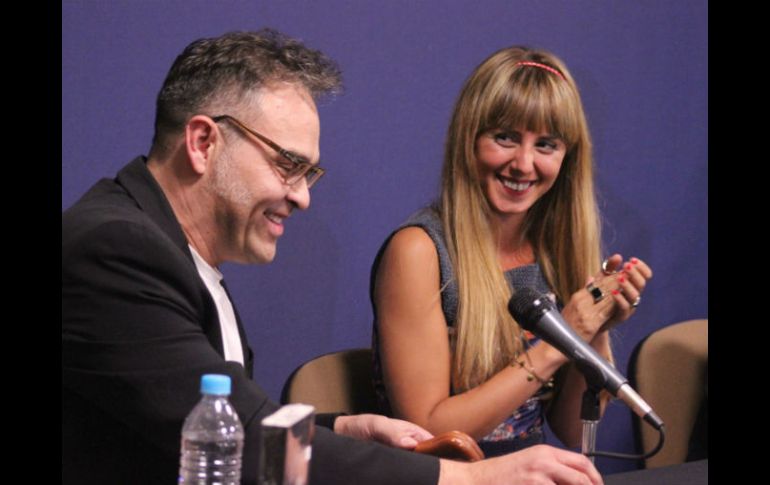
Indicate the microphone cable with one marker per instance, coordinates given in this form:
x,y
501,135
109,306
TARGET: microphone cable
x,y
628,456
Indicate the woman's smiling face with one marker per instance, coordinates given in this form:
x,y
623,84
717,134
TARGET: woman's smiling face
x,y
517,167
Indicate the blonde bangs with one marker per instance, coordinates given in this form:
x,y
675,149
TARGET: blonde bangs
x,y
534,99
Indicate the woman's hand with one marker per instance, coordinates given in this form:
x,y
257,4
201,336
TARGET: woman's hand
x,y
610,297
373,427
631,280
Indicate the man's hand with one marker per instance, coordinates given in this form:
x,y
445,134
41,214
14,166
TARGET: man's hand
x,y
373,427
541,464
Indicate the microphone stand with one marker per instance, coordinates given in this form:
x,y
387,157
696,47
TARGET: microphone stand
x,y
589,415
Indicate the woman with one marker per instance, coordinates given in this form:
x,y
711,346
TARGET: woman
x,y
517,209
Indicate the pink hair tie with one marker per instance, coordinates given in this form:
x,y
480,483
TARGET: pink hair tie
x,y
541,66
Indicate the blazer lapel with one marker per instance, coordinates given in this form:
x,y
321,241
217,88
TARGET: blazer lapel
x,y
248,354
142,186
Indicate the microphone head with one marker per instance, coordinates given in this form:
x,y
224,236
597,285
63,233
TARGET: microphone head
x,y
527,306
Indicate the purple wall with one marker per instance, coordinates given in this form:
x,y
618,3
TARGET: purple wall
x,y
641,66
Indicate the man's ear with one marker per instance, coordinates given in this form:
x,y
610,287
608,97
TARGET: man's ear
x,y
201,139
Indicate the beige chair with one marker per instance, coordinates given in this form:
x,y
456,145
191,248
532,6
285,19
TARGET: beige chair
x,y
342,382
669,370
339,382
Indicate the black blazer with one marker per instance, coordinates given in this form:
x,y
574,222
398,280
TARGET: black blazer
x,y
139,328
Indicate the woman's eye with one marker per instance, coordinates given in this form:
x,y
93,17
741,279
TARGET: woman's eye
x,y
547,145
505,139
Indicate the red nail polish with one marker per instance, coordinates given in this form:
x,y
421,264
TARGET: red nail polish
x,y
615,292
621,280
628,266
634,260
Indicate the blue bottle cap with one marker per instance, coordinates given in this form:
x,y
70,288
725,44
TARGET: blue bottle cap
x,y
216,384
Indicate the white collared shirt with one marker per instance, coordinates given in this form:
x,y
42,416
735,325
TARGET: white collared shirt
x,y
231,339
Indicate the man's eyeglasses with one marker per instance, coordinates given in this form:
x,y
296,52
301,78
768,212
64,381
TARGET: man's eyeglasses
x,y
292,167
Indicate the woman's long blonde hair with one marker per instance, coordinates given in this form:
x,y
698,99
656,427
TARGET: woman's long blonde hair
x,y
563,226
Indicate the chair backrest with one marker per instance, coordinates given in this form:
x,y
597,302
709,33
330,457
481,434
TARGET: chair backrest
x,y
333,383
669,370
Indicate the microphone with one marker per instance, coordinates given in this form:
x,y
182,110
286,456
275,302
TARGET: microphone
x,y
539,315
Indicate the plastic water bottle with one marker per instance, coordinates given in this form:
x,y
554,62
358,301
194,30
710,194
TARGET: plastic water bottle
x,y
212,437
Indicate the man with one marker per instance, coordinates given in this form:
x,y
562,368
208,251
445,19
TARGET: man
x,y
144,311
